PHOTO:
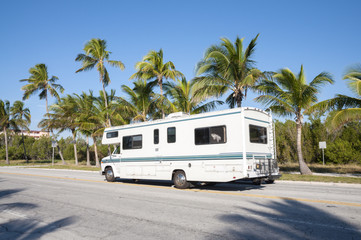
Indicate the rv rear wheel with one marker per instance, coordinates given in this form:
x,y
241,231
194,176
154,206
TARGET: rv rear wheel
x,y
109,174
180,180
269,181
257,181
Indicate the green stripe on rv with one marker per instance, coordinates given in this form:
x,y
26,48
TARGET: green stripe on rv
x,y
187,158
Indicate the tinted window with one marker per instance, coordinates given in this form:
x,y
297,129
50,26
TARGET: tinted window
x,y
132,142
112,134
156,136
257,134
210,135
171,135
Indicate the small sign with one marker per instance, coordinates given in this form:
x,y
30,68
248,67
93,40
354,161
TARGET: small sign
x,y
53,144
322,145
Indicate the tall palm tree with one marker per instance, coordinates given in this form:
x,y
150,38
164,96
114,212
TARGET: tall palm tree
x,y
152,66
228,67
39,81
6,122
288,94
344,109
140,104
183,94
96,55
22,117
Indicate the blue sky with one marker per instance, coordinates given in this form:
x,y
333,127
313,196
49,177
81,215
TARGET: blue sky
x,y
321,35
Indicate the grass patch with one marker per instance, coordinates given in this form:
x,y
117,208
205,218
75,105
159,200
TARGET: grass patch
x,y
58,164
319,168
315,178
71,167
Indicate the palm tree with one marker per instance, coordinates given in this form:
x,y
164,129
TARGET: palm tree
x,y
64,114
344,109
96,55
39,81
185,100
114,112
153,67
22,118
290,95
227,67
91,122
6,122
140,104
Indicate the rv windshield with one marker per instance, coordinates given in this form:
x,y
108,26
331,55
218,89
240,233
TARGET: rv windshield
x,y
117,150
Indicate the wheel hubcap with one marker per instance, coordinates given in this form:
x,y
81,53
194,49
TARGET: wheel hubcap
x,y
109,173
181,179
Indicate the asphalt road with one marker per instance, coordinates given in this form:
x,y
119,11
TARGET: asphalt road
x,y
63,204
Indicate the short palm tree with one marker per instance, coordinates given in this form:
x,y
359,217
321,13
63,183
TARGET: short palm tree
x,y
183,98
228,67
152,66
22,117
140,103
96,55
63,113
344,109
90,120
6,122
113,111
288,94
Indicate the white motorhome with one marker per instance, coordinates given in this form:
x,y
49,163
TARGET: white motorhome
x,y
211,147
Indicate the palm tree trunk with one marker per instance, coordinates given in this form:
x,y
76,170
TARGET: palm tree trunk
x,y
61,155
106,102
25,156
96,153
304,169
87,151
75,151
160,83
6,146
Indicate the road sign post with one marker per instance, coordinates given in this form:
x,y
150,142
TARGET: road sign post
x,y
322,145
53,145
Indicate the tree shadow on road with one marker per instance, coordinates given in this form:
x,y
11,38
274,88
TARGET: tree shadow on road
x,y
15,225
289,219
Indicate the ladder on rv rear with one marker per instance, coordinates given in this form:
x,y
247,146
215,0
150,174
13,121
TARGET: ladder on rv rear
x,y
272,137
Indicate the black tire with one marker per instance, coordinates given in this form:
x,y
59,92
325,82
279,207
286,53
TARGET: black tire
x,y
109,174
180,180
270,181
257,181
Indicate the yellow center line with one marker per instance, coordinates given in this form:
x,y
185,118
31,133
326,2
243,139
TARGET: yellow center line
x,y
199,190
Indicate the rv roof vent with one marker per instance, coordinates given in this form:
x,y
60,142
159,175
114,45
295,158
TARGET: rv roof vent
x,y
177,114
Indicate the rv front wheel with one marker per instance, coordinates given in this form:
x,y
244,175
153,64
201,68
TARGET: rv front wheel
x,y
180,180
109,174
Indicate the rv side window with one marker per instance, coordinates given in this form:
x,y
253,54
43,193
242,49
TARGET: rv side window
x,y
257,134
112,134
156,136
171,135
132,142
210,135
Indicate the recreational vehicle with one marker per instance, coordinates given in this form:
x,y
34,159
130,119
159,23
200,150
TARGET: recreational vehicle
x,y
220,146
